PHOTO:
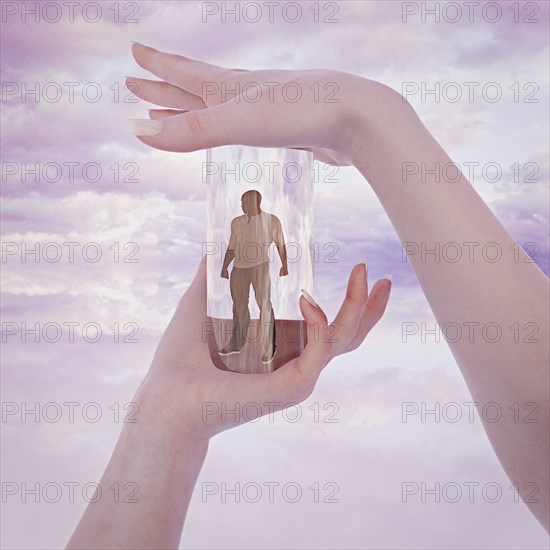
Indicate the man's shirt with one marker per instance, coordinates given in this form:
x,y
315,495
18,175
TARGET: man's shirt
x,y
251,238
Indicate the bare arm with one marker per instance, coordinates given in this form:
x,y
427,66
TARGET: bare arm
x,y
155,466
229,253
279,239
157,460
372,128
228,258
474,289
281,249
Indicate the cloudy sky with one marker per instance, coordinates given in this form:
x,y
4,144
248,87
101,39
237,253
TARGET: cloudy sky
x,y
72,173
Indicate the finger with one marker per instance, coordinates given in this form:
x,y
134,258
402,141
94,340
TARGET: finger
x,y
189,131
212,83
294,381
164,94
315,355
232,122
347,320
372,313
184,72
158,114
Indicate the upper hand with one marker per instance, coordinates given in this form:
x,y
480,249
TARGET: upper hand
x,y
199,116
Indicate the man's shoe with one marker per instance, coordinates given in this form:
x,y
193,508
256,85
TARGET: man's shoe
x,y
230,349
267,357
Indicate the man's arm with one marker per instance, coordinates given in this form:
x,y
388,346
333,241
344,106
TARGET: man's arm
x,y
279,239
230,252
228,258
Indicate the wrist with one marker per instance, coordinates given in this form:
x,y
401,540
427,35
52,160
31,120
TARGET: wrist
x,y
159,407
375,110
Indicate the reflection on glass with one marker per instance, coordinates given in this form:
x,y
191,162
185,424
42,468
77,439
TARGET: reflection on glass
x,y
259,204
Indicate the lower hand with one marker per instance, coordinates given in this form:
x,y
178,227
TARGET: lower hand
x,y
182,379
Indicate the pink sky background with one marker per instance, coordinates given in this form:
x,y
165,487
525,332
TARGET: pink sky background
x,y
370,452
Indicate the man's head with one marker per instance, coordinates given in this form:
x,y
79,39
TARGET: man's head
x,y
250,202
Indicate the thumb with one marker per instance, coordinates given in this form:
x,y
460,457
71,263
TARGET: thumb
x,y
316,353
236,121
189,131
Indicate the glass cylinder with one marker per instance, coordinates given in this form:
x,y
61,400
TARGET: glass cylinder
x,y
259,255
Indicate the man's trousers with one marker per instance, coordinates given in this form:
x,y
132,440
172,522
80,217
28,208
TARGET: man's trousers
x,y
239,282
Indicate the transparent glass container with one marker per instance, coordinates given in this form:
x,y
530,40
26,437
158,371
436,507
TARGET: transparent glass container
x,y
259,207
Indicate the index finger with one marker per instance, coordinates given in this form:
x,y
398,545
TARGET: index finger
x,y
184,72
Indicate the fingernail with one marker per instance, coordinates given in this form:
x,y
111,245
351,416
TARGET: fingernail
x,y
389,277
364,261
308,297
144,126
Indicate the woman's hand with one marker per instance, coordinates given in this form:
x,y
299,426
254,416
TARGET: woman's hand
x,y
193,392
181,405
208,106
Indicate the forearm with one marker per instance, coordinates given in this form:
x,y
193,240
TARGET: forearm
x,y
426,212
281,249
228,258
156,458
472,291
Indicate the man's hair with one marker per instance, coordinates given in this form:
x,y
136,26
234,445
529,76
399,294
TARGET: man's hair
x,y
257,196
